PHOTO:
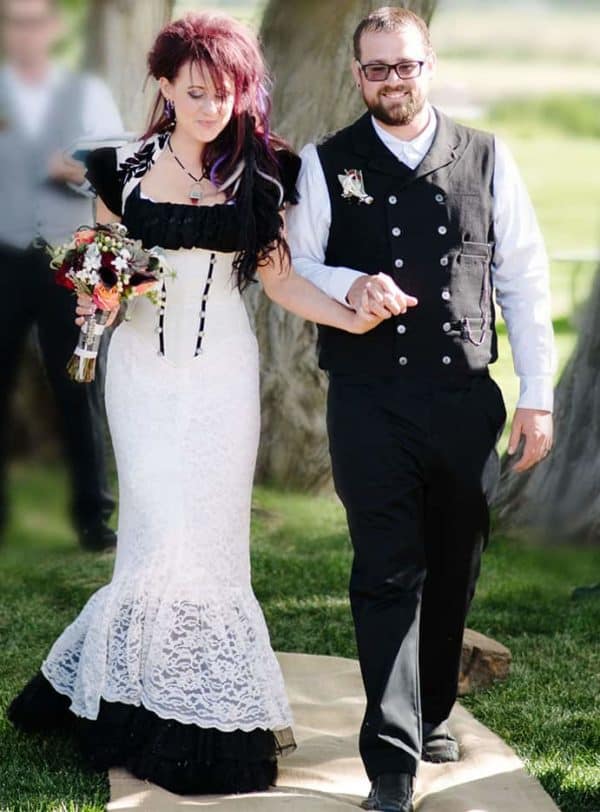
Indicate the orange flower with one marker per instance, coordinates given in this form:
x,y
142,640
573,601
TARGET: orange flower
x,y
85,236
106,298
143,287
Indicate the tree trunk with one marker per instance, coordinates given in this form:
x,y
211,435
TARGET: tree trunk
x,y
308,45
120,35
560,497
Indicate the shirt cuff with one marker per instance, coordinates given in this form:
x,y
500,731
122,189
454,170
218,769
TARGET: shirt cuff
x,y
537,392
342,280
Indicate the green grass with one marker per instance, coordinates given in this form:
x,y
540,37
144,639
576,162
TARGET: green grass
x,y
44,582
301,558
572,115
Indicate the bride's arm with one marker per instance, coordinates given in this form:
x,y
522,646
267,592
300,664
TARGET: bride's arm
x,y
103,214
296,294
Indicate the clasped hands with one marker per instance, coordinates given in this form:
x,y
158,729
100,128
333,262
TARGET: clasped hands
x,y
378,297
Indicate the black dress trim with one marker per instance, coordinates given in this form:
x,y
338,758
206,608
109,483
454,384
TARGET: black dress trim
x,y
101,171
181,225
182,758
173,226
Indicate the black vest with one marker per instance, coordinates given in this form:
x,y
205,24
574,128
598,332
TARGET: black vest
x,y
431,229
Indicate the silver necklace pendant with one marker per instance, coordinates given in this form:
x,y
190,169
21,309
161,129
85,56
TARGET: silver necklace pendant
x,y
196,192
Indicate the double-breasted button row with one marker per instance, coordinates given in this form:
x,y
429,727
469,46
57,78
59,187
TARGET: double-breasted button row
x,y
403,360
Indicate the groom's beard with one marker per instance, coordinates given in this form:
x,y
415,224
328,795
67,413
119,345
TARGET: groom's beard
x,y
395,113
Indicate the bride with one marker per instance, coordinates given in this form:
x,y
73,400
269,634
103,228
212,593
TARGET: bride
x,y
168,669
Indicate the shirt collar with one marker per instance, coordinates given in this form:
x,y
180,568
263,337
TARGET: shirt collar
x,y
412,151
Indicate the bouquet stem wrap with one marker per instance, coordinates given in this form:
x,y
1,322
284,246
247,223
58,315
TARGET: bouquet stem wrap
x,y
82,366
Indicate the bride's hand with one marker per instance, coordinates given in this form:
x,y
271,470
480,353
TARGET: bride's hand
x,y
85,307
363,320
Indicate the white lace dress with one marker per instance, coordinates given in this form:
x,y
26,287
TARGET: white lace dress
x,y
178,630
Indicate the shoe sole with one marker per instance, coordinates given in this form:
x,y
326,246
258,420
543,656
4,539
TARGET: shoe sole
x,y
440,759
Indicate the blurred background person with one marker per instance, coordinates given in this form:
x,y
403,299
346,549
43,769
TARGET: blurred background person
x,y
44,109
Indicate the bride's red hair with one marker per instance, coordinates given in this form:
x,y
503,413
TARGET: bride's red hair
x,y
227,49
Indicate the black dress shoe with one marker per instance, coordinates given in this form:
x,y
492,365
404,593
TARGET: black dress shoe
x,y
97,537
391,792
439,745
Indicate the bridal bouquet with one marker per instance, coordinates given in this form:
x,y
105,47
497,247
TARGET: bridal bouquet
x,y
104,263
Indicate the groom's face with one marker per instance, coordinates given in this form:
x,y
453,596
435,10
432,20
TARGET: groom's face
x,y
395,101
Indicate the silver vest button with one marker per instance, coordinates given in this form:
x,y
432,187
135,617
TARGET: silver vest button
x,y
396,231
444,261
403,361
401,328
439,198
392,199
446,326
442,230
446,295
399,263
446,360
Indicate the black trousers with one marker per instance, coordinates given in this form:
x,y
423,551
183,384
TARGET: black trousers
x,y
31,298
414,464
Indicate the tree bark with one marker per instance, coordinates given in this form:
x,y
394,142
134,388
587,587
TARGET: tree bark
x,y
308,45
120,35
559,498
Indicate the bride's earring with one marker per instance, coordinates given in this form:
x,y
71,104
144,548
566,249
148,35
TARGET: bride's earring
x,y
170,110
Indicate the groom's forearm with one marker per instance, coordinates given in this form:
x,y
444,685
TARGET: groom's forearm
x,y
335,282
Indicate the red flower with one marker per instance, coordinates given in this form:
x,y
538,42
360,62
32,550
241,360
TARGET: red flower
x,y
61,278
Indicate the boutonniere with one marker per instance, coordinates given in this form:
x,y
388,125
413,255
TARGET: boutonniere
x,y
353,186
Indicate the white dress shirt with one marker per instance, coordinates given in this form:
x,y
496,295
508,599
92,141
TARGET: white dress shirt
x,y
32,102
519,271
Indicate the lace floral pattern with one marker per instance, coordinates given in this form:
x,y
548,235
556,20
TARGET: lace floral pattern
x,y
203,660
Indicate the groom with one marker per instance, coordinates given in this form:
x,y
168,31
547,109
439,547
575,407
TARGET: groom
x,y
426,217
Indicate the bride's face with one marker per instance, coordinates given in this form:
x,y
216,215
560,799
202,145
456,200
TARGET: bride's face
x,y
202,110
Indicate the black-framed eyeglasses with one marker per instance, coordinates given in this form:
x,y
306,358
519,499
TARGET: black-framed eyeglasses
x,y
380,71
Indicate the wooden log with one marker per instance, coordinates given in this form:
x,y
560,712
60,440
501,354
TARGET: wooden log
x,y
484,661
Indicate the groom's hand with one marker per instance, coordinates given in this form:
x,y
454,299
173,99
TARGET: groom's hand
x,y
383,297
536,427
